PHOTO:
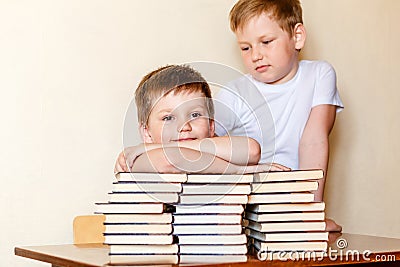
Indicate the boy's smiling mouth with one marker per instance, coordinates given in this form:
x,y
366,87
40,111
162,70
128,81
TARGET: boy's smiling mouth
x,y
184,139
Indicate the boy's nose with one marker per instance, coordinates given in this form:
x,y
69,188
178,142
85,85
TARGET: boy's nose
x,y
186,127
255,54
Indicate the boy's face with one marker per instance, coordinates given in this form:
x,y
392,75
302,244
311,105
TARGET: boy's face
x,y
178,117
269,53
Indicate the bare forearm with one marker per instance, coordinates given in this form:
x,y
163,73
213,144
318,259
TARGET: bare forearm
x,y
175,160
314,143
235,149
315,155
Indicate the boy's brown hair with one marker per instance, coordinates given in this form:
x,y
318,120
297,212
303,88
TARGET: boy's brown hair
x,y
287,13
169,79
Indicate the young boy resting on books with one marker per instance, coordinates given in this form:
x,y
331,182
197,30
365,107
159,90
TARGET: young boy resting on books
x,y
175,114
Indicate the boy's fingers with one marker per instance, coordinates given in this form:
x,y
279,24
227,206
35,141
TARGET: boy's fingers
x,y
120,164
332,226
117,167
279,167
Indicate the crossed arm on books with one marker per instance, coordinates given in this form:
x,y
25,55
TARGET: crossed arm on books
x,y
247,150
178,160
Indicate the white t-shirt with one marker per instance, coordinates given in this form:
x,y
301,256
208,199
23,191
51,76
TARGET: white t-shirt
x,y
275,115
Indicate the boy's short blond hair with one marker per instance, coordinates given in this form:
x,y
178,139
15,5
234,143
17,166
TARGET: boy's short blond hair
x,y
169,79
287,13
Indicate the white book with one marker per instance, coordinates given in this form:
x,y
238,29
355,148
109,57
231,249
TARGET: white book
x,y
151,177
144,249
139,218
286,207
220,178
207,259
216,189
213,199
213,249
281,198
182,229
144,259
282,237
105,207
126,197
285,216
284,187
212,239
209,209
284,226
139,239
207,219
294,175
146,187
291,246
138,228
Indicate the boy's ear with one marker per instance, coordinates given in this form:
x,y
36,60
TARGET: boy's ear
x,y
212,127
299,35
144,132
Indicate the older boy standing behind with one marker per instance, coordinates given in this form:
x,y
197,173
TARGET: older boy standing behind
x,y
301,95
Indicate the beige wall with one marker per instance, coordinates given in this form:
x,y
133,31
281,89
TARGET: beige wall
x,y
68,69
361,39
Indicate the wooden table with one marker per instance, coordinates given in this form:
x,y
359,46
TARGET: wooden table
x,y
343,250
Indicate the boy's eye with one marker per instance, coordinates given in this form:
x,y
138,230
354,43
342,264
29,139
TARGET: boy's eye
x,y
245,48
267,42
194,115
167,118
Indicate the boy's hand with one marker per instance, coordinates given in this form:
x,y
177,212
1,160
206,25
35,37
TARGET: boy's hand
x,y
127,157
264,168
120,164
332,226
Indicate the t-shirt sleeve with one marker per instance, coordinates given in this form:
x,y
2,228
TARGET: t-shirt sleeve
x,y
325,88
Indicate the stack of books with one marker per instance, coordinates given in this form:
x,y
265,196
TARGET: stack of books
x,y
138,224
281,215
207,219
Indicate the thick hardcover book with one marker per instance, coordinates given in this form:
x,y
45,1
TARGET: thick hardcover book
x,y
281,198
283,187
291,246
138,228
288,207
284,226
209,209
216,189
212,249
214,239
208,259
144,259
151,177
285,216
139,239
138,218
107,208
146,187
295,175
287,237
190,229
144,249
207,219
126,197
220,178
213,199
